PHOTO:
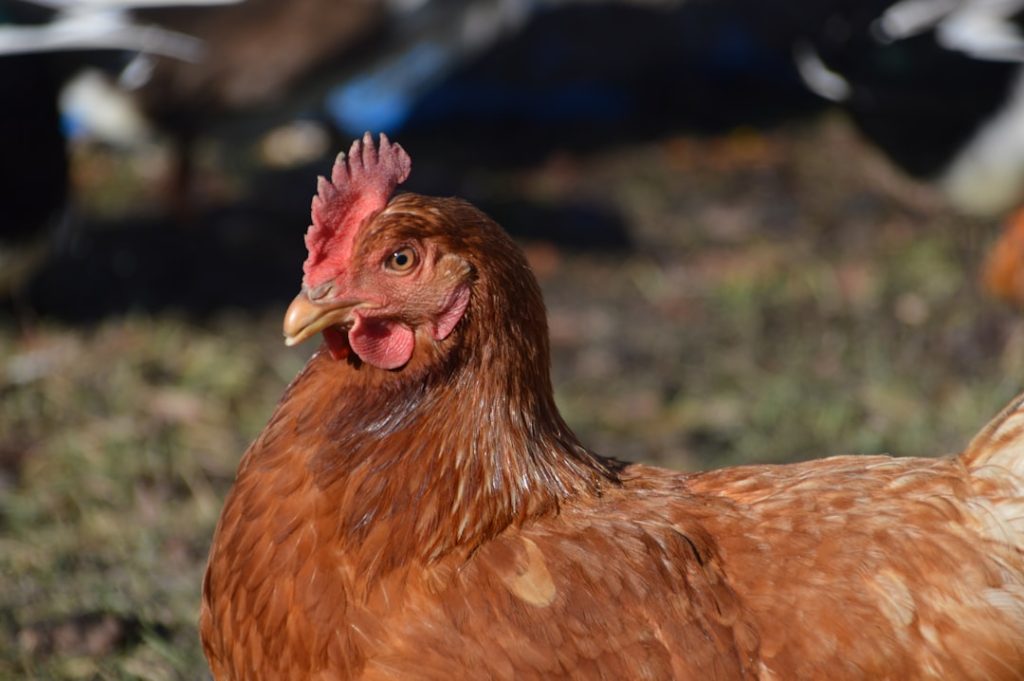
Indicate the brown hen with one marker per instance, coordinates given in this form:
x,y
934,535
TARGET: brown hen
x,y
417,509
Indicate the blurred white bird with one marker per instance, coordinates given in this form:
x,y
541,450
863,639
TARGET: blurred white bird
x,y
103,25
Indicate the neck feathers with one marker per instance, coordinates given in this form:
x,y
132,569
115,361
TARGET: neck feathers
x,y
421,472
443,455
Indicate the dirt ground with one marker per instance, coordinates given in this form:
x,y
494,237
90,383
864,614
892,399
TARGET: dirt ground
x,y
758,296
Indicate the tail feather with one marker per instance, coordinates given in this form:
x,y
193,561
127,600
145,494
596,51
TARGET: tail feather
x,y
995,462
1001,442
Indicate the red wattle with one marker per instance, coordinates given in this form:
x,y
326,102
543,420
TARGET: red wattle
x,y
383,343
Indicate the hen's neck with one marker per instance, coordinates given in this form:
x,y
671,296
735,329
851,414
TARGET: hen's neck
x,y
413,469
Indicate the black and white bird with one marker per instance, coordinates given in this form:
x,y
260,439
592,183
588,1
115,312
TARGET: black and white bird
x,y
939,86
51,55
120,70
938,83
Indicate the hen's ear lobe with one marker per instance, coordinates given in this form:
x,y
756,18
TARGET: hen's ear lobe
x,y
453,307
451,312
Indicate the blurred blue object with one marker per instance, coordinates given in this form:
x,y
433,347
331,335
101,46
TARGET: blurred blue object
x,y
575,67
384,98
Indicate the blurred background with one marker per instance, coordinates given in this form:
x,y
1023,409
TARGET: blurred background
x,y
766,231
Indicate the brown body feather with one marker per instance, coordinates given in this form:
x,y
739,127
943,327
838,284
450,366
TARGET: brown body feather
x,y
441,521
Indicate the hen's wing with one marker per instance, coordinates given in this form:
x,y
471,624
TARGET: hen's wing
x,y
584,595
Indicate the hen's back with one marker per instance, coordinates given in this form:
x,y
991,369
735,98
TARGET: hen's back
x,y
875,567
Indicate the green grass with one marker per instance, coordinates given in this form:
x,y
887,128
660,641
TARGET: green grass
x,y
121,441
777,306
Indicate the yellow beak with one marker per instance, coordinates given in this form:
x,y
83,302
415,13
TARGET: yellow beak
x,y
306,318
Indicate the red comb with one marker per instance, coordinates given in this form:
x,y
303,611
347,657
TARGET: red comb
x,y
361,184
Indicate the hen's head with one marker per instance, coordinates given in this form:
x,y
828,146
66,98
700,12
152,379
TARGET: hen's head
x,y
390,279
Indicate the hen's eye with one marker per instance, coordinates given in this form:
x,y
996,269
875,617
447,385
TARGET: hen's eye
x,y
401,260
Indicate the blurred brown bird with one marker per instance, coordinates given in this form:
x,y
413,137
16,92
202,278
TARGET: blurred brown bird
x,y
418,509
1003,274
